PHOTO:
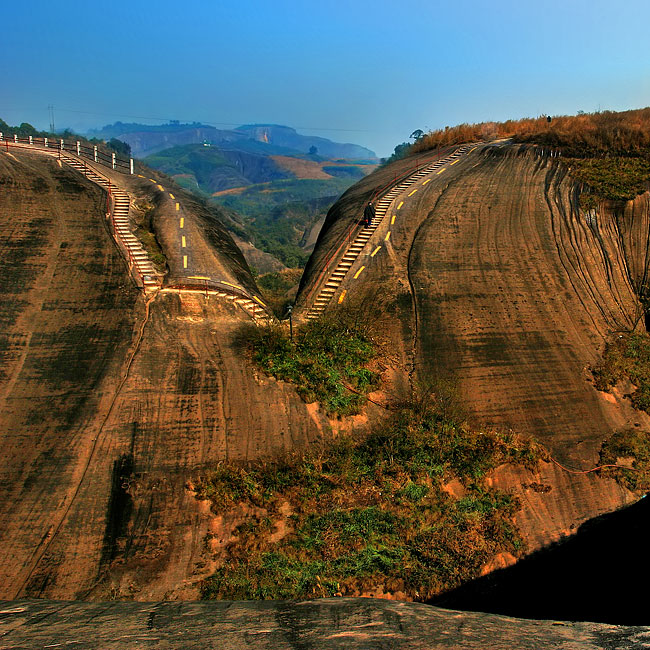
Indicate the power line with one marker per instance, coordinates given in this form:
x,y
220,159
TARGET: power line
x,y
207,123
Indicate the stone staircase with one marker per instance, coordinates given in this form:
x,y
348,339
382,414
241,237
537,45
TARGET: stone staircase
x,y
138,259
333,282
139,263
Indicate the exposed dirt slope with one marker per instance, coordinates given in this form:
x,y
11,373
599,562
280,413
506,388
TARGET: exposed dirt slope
x,y
328,624
500,286
107,404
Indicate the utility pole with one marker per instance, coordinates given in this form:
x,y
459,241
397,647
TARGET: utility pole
x,y
290,310
50,109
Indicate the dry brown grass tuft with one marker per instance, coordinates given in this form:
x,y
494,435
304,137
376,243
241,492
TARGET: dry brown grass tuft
x,y
583,135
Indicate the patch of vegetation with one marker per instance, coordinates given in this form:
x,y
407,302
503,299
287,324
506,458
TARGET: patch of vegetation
x,y
145,233
322,359
277,215
344,171
621,447
25,129
371,512
400,151
616,178
609,151
628,355
585,135
121,148
275,286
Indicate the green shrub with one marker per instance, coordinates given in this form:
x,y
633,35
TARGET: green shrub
x,y
630,444
370,511
324,360
614,178
628,355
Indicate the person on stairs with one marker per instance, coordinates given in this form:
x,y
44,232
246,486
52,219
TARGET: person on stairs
x,y
368,214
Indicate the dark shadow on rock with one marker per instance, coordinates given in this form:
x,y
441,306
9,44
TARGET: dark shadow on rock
x,y
596,575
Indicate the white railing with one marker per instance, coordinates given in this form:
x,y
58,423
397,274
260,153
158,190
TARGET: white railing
x,y
81,149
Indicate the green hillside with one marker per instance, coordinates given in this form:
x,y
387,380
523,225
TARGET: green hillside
x,y
277,211
278,214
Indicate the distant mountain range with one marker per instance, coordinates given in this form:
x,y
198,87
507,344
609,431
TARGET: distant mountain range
x,y
266,139
279,197
279,183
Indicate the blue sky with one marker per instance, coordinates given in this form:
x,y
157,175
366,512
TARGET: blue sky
x,y
361,71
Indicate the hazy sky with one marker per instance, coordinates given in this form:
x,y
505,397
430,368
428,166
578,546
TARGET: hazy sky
x,y
363,71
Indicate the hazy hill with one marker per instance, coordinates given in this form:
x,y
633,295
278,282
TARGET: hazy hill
x,y
281,195
211,169
146,140
285,136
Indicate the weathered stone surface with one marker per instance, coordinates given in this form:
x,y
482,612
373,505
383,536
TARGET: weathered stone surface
x,y
345,623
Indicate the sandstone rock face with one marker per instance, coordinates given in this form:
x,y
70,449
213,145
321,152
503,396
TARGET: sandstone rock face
x,y
502,287
329,624
111,402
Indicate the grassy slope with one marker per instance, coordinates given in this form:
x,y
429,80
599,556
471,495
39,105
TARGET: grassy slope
x,y
368,513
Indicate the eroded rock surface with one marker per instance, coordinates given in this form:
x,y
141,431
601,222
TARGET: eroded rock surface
x,y
329,624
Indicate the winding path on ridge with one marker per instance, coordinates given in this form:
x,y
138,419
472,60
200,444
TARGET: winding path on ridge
x,y
192,265
361,245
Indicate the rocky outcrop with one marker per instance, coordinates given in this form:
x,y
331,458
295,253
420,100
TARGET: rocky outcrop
x,y
111,402
330,624
499,285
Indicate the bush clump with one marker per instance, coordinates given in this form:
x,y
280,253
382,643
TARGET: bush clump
x,y
325,360
370,512
625,446
628,355
617,178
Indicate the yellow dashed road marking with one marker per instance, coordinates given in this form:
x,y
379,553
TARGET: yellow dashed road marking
x,y
182,222
183,242
160,187
470,151
342,296
171,196
198,277
232,285
392,220
455,161
153,180
256,299
358,273
413,192
399,207
427,181
178,207
184,261
140,176
375,251
442,170
387,237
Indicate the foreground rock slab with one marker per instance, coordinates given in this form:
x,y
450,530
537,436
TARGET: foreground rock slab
x,y
350,623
